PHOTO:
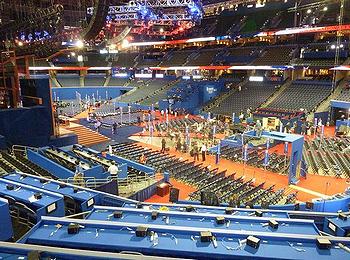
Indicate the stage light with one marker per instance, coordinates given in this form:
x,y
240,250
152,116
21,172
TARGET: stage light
x,y
19,43
325,9
79,44
80,58
125,44
72,54
161,30
332,46
309,11
341,45
112,46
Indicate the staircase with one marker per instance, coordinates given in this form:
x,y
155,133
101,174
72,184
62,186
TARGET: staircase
x,y
86,136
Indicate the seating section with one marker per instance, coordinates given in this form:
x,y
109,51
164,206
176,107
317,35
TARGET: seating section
x,y
117,82
177,57
126,59
301,95
95,60
144,89
276,56
344,95
95,80
256,158
19,162
69,80
252,94
226,188
328,156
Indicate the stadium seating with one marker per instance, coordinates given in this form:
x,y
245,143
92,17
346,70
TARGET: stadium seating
x,y
301,95
252,95
69,80
344,95
276,56
95,80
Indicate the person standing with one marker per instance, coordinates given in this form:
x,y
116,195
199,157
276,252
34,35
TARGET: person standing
x,y
204,151
78,178
195,152
113,170
163,145
114,128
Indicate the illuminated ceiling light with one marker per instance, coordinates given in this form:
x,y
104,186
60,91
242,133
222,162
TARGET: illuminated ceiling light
x,y
19,43
325,9
79,44
333,47
73,54
161,30
309,11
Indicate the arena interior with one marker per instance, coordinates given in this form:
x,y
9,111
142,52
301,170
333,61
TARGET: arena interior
x,y
174,129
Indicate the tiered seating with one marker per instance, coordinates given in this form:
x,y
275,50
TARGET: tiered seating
x,y
344,95
144,90
177,58
19,162
239,56
204,57
328,156
65,159
301,95
69,80
117,82
150,58
95,80
252,95
159,94
276,56
95,60
124,59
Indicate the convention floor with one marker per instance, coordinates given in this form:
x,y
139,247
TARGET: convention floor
x,y
314,186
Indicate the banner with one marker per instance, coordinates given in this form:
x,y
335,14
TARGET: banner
x,y
268,143
267,157
245,153
285,147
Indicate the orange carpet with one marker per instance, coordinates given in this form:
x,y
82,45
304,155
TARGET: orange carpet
x,y
313,182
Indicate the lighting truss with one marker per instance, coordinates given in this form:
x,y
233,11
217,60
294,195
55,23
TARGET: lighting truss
x,y
165,17
135,6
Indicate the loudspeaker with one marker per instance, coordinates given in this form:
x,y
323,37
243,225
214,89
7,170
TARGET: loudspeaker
x,y
97,21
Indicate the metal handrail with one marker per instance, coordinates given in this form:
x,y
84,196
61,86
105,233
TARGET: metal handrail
x,y
23,148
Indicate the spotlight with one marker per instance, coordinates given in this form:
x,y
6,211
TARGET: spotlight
x,y
79,44
161,30
325,9
125,44
20,44
333,47
309,11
